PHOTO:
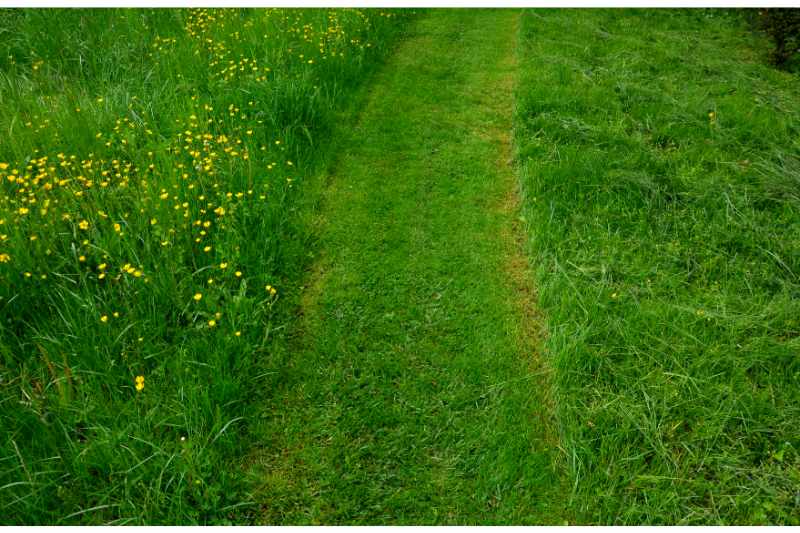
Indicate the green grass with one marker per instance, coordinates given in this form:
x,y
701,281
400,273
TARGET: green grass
x,y
311,244
148,156
659,158
411,392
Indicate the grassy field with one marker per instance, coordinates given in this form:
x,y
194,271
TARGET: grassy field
x,y
386,267
659,158
149,162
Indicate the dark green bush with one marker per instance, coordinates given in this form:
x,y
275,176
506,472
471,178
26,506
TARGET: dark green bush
x,y
783,27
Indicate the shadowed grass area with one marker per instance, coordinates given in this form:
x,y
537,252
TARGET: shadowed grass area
x,y
412,392
661,171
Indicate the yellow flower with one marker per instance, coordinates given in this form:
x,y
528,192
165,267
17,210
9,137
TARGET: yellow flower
x,y
271,290
223,265
84,225
23,210
197,297
212,323
238,273
139,383
3,166
5,258
207,249
104,319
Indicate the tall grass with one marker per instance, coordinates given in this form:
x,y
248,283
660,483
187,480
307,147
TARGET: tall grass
x,y
152,163
661,164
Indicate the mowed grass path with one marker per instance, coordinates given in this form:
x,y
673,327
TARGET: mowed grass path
x,y
413,392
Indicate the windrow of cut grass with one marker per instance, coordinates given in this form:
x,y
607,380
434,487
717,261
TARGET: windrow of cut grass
x,y
660,161
151,167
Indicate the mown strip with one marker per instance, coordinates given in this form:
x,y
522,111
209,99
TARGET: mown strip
x,y
413,392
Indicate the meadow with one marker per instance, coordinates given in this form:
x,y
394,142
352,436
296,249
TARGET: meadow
x,y
346,266
150,162
660,157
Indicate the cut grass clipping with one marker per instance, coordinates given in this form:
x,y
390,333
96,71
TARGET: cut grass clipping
x,y
660,164
150,162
